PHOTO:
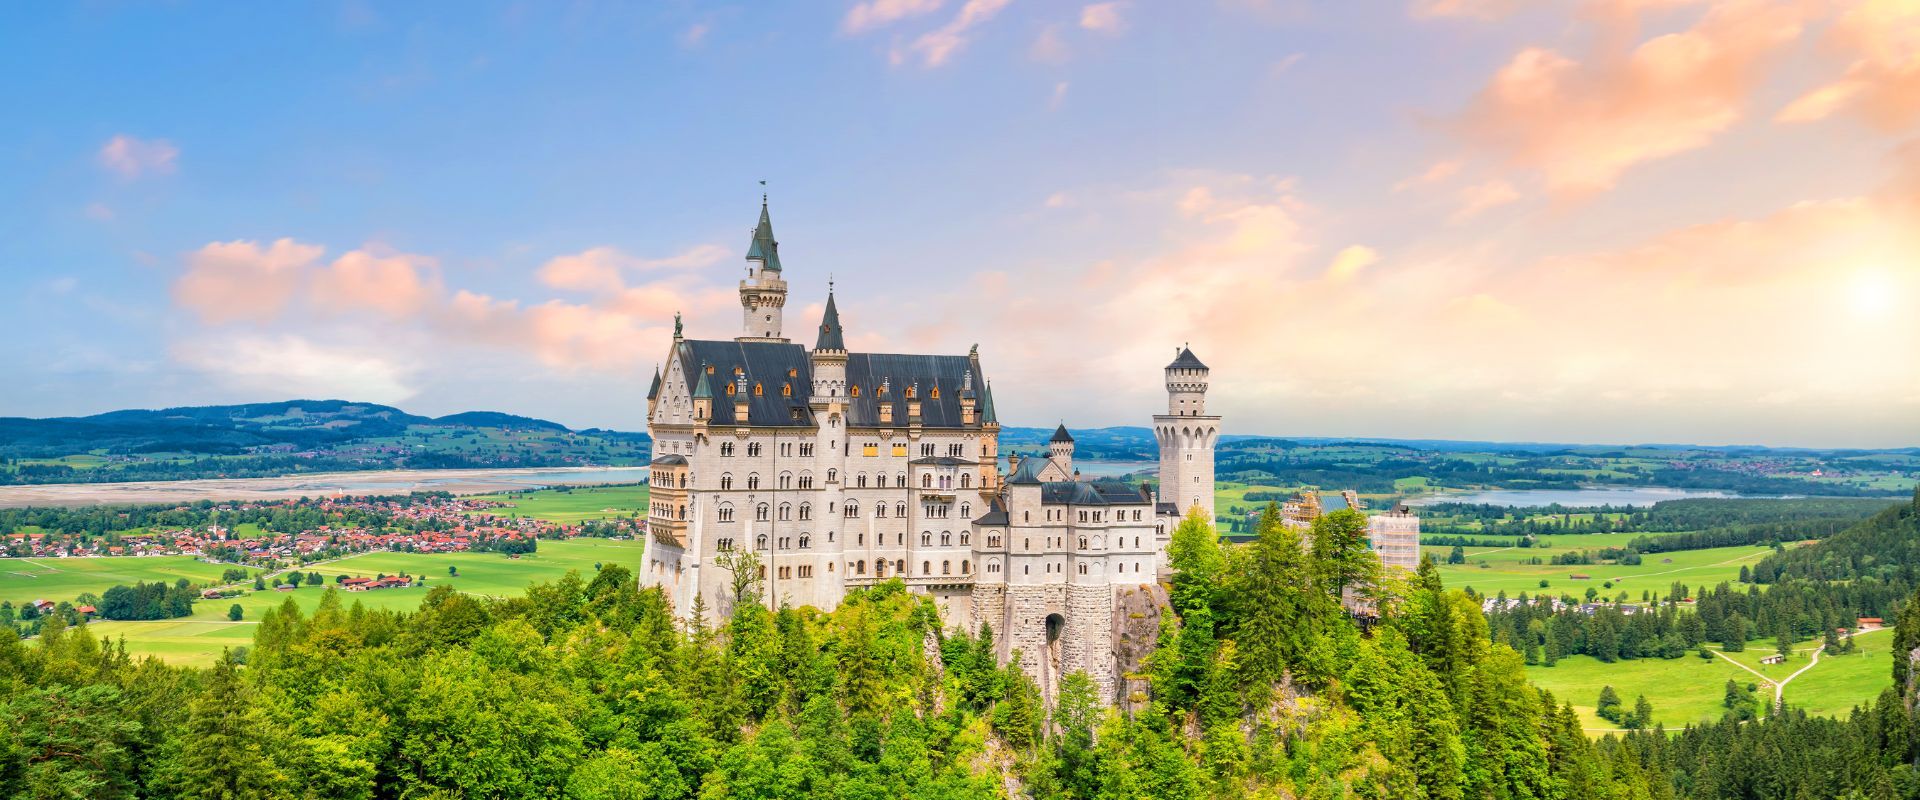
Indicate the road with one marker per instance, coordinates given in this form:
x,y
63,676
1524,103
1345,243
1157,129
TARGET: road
x,y
1780,687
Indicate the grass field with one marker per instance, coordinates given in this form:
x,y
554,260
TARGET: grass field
x,y
1688,689
26,579
1682,690
1492,570
198,639
568,506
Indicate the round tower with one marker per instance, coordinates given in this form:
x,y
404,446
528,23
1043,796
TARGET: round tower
x,y
1060,448
763,295
1186,434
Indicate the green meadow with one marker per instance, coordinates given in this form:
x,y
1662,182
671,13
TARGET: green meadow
x,y
23,580
1682,690
1490,570
573,505
199,639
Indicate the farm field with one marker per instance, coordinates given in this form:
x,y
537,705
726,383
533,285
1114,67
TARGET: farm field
x,y
1504,568
26,579
198,639
573,505
1839,683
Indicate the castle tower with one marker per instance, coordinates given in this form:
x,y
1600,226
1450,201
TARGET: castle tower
x,y
1186,435
829,360
763,295
1060,448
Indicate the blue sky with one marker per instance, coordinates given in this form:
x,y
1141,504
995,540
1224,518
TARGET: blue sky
x,y
1590,221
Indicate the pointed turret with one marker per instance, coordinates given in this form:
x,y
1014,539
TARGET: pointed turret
x,y
831,337
764,248
653,393
986,405
1060,435
703,389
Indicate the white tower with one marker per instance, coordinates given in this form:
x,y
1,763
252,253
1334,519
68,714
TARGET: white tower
x,y
763,295
1186,435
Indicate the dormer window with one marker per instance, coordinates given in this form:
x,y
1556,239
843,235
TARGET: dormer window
x,y
756,390
854,390
729,390
936,393
709,369
786,390
793,372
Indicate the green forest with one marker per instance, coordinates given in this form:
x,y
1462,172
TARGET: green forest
x,y
1263,684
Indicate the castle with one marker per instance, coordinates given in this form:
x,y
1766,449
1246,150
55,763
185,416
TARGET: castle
x,y
841,469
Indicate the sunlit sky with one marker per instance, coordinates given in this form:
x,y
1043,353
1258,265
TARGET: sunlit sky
x,y
1601,221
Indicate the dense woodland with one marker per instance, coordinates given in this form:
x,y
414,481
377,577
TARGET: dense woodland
x,y
1262,685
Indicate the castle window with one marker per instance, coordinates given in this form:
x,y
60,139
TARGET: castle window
x,y
726,512
726,480
993,567
806,480
859,567
1083,542
926,568
726,449
756,389
760,512
879,569
753,481
853,509
900,479
793,372
805,541
965,569
806,449
833,476
786,480
926,450
966,480
936,393
861,480
753,449
900,509
806,570
760,542
946,567
870,449
806,511
966,509
709,369
964,537
926,538
900,450
946,538
926,480
786,511
729,390
900,566
880,510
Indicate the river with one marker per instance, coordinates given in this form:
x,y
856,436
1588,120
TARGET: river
x,y
387,481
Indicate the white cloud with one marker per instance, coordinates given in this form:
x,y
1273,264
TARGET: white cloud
x,y
292,366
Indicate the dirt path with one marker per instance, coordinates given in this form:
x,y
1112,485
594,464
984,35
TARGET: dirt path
x,y
1780,686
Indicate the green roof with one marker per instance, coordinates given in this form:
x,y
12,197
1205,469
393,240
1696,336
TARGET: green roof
x,y
703,389
764,248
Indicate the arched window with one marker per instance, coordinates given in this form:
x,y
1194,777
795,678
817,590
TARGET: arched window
x,y
926,480
965,569
806,511
965,537
806,480
833,475
926,568
853,509
760,542
860,567
946,568
726,449
726,481
926,538
879,568
900,566
760,512
1083,542
753,481
900,509
946,538
900,479
966,480
786,480
805,541
860,480
880,510
966,510
786,511
726,512
753,449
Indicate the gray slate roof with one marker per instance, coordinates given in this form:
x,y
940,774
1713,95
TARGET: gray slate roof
x,y
768,364
1186,360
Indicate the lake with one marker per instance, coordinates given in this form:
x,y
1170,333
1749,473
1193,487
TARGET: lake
x,y
386,481
1591,496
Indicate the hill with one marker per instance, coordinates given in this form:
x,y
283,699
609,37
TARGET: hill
x,y
291,437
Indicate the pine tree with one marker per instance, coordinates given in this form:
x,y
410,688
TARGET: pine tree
x,y
1271,595
224,753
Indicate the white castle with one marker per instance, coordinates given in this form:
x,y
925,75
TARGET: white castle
x,y
841,469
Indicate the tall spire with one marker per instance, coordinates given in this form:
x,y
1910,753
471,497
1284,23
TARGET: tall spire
x,y
764,248
654,393
830,333
986,405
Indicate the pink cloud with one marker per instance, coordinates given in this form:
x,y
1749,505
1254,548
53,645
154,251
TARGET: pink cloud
x,y
1882,85
1102,18
1581,124
1483,196
240,280
867,16
937,46
132,158
396,285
